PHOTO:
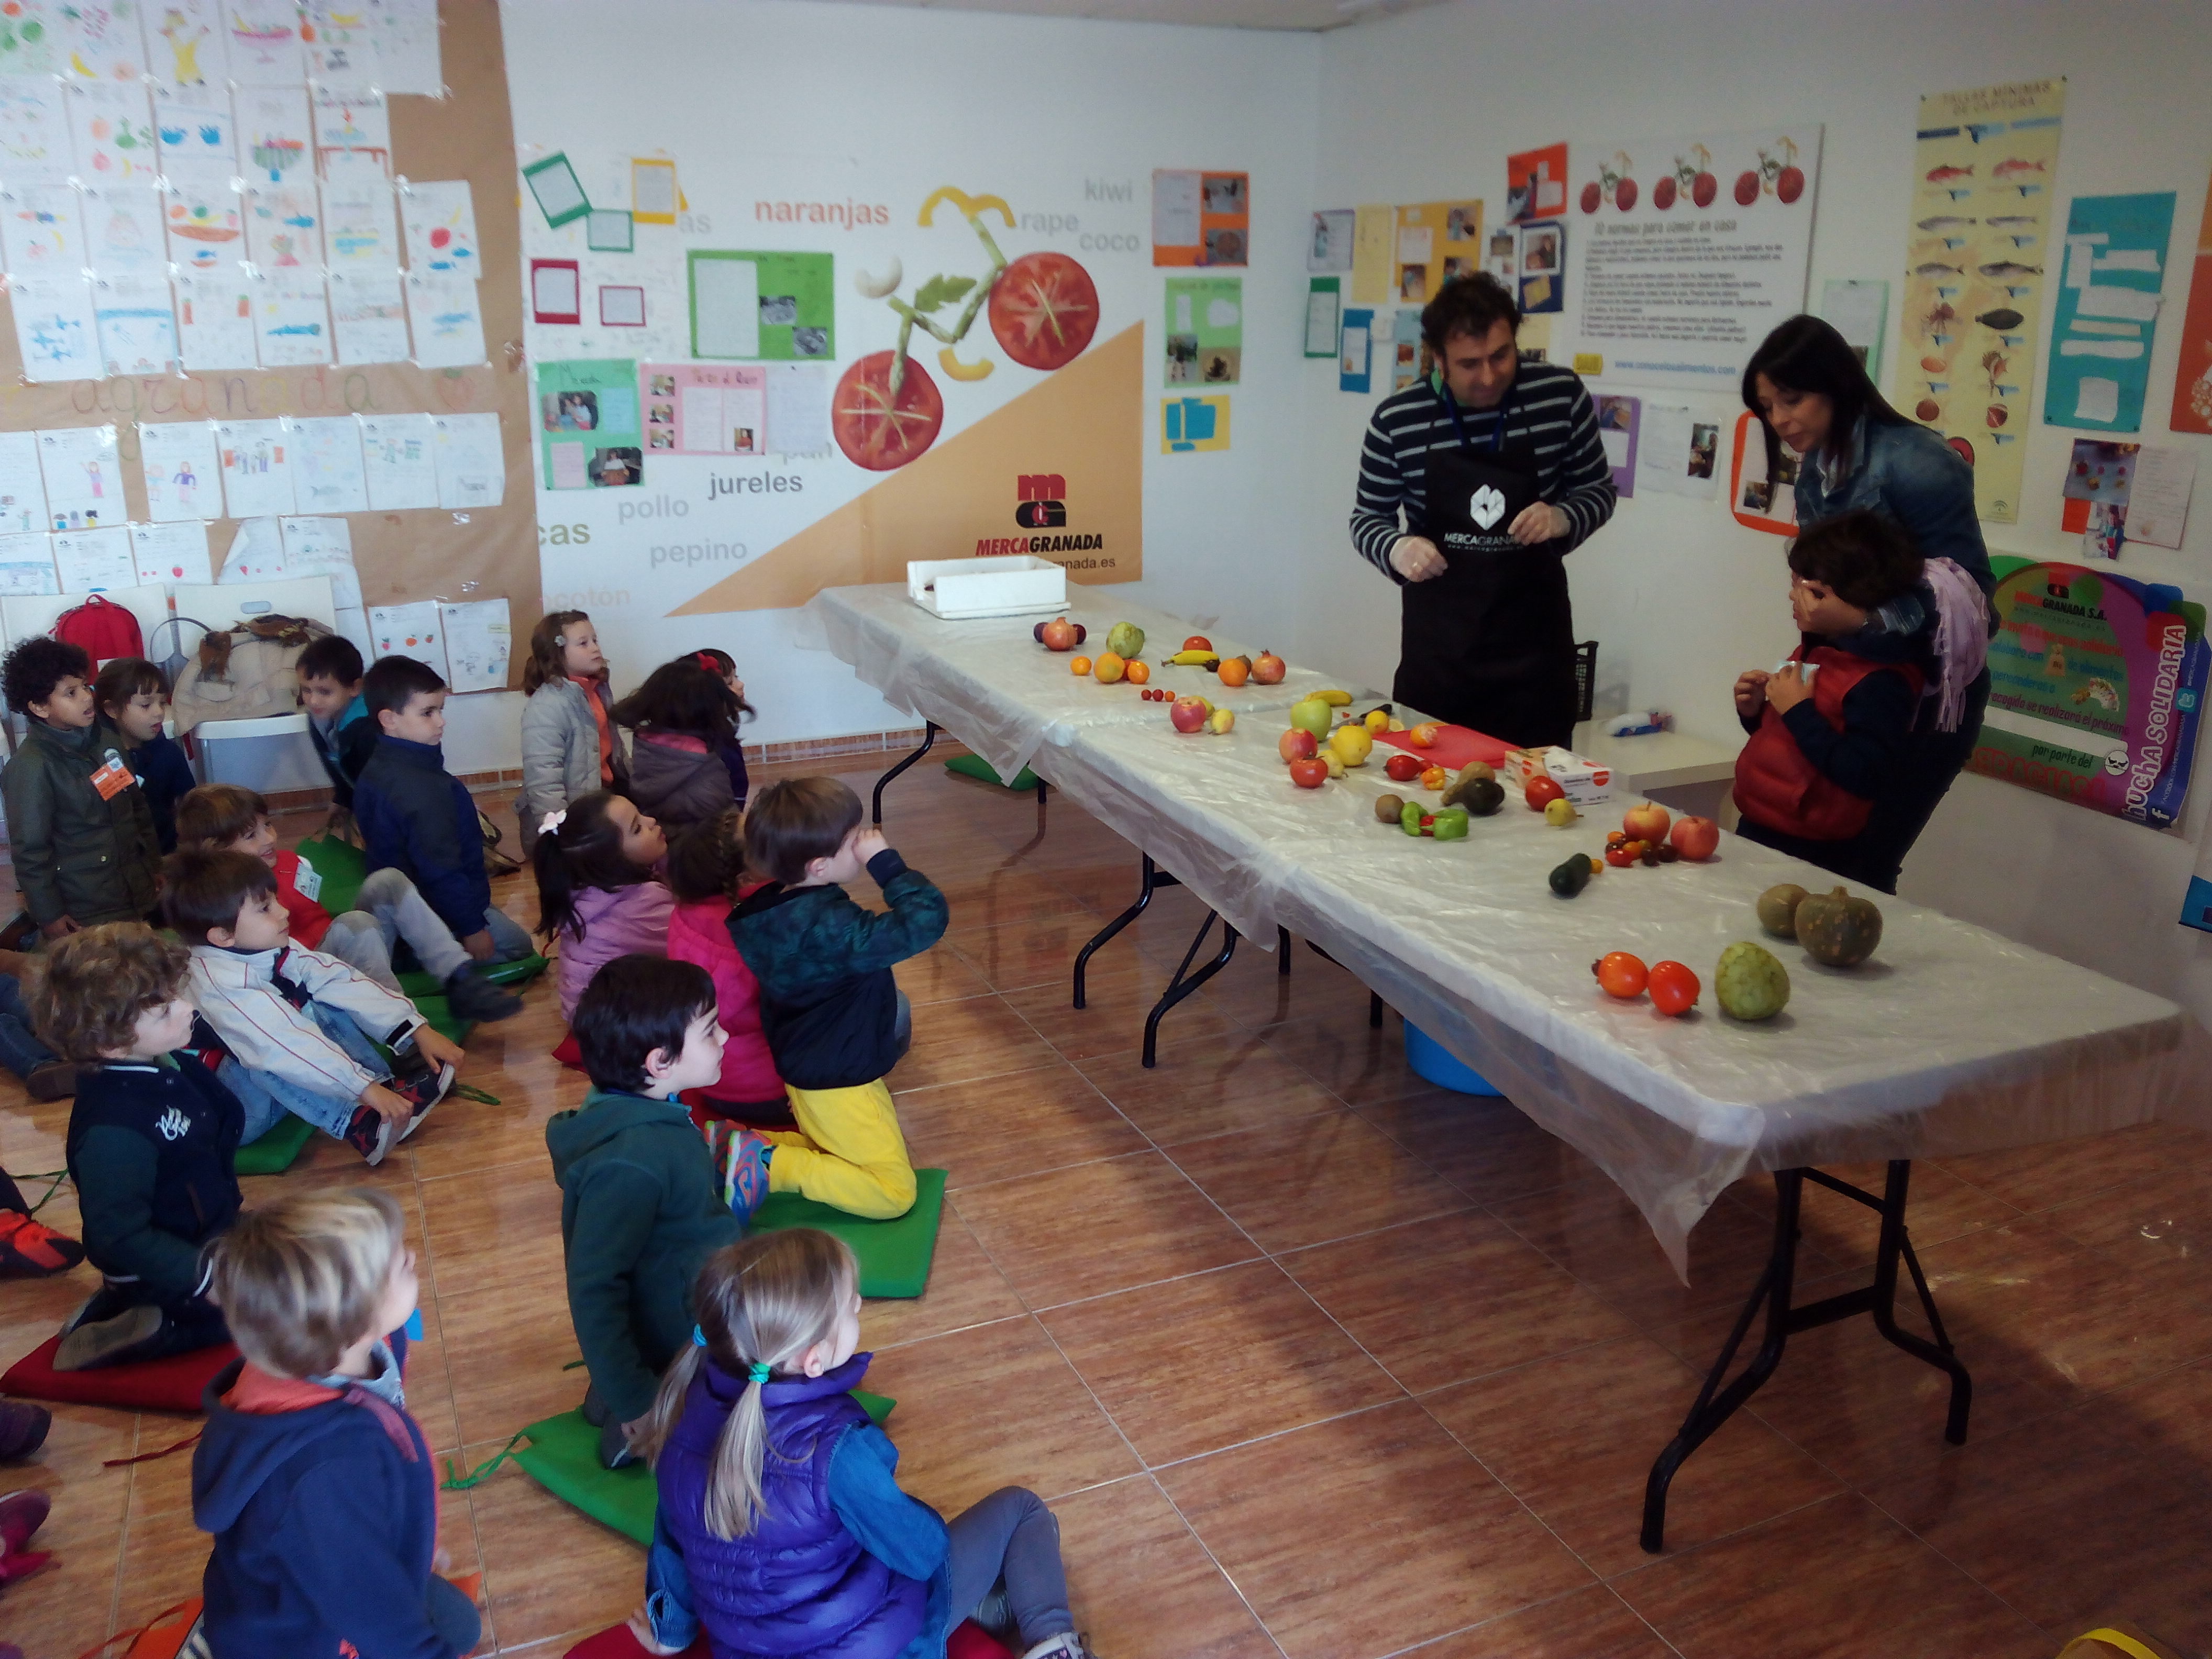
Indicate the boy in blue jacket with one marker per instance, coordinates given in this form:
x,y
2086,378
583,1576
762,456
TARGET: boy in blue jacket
x,y
151,1141
338,720
314,1479
417,818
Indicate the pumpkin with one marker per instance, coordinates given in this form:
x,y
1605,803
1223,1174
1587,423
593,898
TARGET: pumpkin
x,y
1839,930
1778,909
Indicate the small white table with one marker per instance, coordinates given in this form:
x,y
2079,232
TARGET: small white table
x,y
1691,774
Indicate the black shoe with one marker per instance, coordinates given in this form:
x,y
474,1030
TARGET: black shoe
x,y
54,1080
471,996
614,1445
593,1411
94,1343
22,1429
420,1087
369,1133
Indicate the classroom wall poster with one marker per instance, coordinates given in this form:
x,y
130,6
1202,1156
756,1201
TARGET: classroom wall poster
x,y
1329,248
1619,421
1324,300
1355,351
775,306
1536,184
1977,243
1374,247
589,437
1692,249
2106,312
1192,424
1201,218
1205,338
701,409
2192,384
1437,241
2097,684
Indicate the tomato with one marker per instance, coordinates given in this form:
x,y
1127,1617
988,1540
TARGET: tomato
x,y
1198,642
1621,854
1044,310
868,429
1620,974
1674,988
1541,792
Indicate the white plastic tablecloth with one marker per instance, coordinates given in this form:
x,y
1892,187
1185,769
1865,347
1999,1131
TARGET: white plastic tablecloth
x,y
1952,1040
989,683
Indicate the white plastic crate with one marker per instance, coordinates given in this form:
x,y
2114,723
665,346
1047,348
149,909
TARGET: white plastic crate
x,y
1010,585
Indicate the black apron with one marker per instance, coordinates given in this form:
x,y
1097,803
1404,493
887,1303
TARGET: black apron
x,y
1490,643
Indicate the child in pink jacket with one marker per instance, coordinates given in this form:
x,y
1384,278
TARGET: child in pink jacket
x,y
707,872
597,891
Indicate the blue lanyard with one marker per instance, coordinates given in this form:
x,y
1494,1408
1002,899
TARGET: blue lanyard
x,y
1459,426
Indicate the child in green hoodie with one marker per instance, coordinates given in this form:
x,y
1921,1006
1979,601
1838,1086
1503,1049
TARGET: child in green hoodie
x,y
641,1205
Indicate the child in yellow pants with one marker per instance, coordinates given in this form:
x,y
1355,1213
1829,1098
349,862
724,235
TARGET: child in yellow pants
x,y
846,1152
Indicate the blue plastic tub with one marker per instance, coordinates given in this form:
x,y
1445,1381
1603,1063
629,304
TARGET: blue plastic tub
x,y
1432,1060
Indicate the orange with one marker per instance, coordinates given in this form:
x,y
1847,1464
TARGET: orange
x,y
1235,670
1110,667
1138,673
1078,665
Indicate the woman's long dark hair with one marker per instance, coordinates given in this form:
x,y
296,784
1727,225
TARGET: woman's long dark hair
x,y
1807,355
686,698
585,851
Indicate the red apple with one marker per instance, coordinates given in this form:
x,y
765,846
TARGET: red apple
x,y
1059,634
1268,669
1696,838
1403,768
1299,744
1188,713
1310,772
1647,824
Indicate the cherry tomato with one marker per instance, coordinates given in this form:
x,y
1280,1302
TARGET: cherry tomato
x,y
1615,837
1674,988
1620,854
1044,310
871,431
1620,974
1541,792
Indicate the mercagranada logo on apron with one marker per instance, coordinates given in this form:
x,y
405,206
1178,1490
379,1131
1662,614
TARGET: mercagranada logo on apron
x,y
1485,507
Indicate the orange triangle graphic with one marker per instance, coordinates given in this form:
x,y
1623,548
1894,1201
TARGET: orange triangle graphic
x,y
1086,423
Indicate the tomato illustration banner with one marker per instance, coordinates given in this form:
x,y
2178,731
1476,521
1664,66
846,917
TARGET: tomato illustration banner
x,y
1978,249
2097,684
1692,249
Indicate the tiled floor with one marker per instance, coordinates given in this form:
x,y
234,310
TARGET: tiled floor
x,y
1312,1360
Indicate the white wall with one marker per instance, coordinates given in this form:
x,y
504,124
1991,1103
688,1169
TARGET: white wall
x,y
1426,106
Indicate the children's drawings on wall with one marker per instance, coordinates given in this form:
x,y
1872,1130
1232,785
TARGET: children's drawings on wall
x,y
352,125
275,136
442,228
113,134
369,317
166,553
27,564
257,472
215,325
292,321
414,630
41,230
94,561
185,46
22,488
263,44
402,467
448,321
194,130
123,231
54,327
102,42
84,482
35,146
137,327
30,39
285,226
478,637
182,471
358,225
471,462
344,44
328,472
202,215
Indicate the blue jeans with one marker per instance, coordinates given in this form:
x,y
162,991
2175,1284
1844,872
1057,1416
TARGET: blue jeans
x,y
452,1615
266,1096
21,1051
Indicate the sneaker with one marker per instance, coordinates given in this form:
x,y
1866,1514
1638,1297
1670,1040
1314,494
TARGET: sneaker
x,y
740,1164
424,1089
22,1429
29,1249
369,1133
100,1342
615,1451
1065,1646
472,996
593,1411
21,1514
55,1080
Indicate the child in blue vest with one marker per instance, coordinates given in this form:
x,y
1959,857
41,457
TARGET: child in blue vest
x,y
779,1509
1828,729
150,1142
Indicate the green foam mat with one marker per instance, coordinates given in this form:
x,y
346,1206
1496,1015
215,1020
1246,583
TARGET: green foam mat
x,y
974,766
521,971
342,868
439,1015
561,1454
895,1255
281,1142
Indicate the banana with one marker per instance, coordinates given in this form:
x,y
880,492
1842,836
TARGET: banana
x,y
1336,699
1195,659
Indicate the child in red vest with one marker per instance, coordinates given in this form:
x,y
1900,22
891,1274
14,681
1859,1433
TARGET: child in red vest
x,y
1827,729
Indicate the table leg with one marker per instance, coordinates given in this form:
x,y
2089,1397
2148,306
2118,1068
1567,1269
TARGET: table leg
x,y
1282,953
1179,988
1716,1404
928,740
1152,878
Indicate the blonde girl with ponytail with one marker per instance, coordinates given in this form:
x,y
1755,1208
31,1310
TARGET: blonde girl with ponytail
x,y
778,1508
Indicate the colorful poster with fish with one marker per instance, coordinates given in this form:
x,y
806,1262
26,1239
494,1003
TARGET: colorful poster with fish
x,y
137,323
2096,686
447,320
2106,310
359,232
2192,383
206,230
263,44
102,42
112,132
275,136
1978,241
193,128
185,45
54,327
284,225
41,230
123,232
35,146
292,320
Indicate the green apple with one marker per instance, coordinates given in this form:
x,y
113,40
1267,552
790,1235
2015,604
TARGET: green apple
x,y
1312,715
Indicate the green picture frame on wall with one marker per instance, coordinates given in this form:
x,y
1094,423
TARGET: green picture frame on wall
x,y
754,307
556,190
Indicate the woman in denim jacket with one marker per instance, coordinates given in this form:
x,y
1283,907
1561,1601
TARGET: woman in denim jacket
x,y
1812,392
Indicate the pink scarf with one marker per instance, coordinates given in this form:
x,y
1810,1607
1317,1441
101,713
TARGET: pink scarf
x,y
1962,638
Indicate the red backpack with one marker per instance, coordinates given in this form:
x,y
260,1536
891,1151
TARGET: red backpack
x,y
105,631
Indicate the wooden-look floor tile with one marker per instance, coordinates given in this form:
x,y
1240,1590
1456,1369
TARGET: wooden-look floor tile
x,y
503,1222
1143,1586
1574,1438
1454,1296
2033,1178
1359,1064
993,898
504,1354
1197,1364
1093,1227
550,1569
1940,1206
1017,956
1204,1087
1314,1179
1118,994
1584,1624
1484,1145
1020,1123
1050,1435
1877,1590
2160,1225
965,1288
959,1042
66,1608
939,974
1368,1533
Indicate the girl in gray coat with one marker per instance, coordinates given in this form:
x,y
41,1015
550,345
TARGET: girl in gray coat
x,y
683,715
570,744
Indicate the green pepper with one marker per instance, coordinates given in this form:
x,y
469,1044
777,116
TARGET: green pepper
x,y
1450,824
1409,817
1571,878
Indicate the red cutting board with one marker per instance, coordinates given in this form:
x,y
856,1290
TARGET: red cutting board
x,y
1456,746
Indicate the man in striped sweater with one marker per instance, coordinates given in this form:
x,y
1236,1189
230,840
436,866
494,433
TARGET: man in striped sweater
x,y
1498,470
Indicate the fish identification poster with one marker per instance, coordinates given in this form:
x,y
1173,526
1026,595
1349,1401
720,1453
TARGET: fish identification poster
x,y
1979,246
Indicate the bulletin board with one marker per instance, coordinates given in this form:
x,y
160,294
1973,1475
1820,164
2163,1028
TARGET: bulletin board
x,y
484,553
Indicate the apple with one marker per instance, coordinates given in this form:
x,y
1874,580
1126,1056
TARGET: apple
x,y
1647,824
1219,721
1310,772
1188,713
1058,635
1297,745
1696,838
1403,768
1268,669
1313,714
